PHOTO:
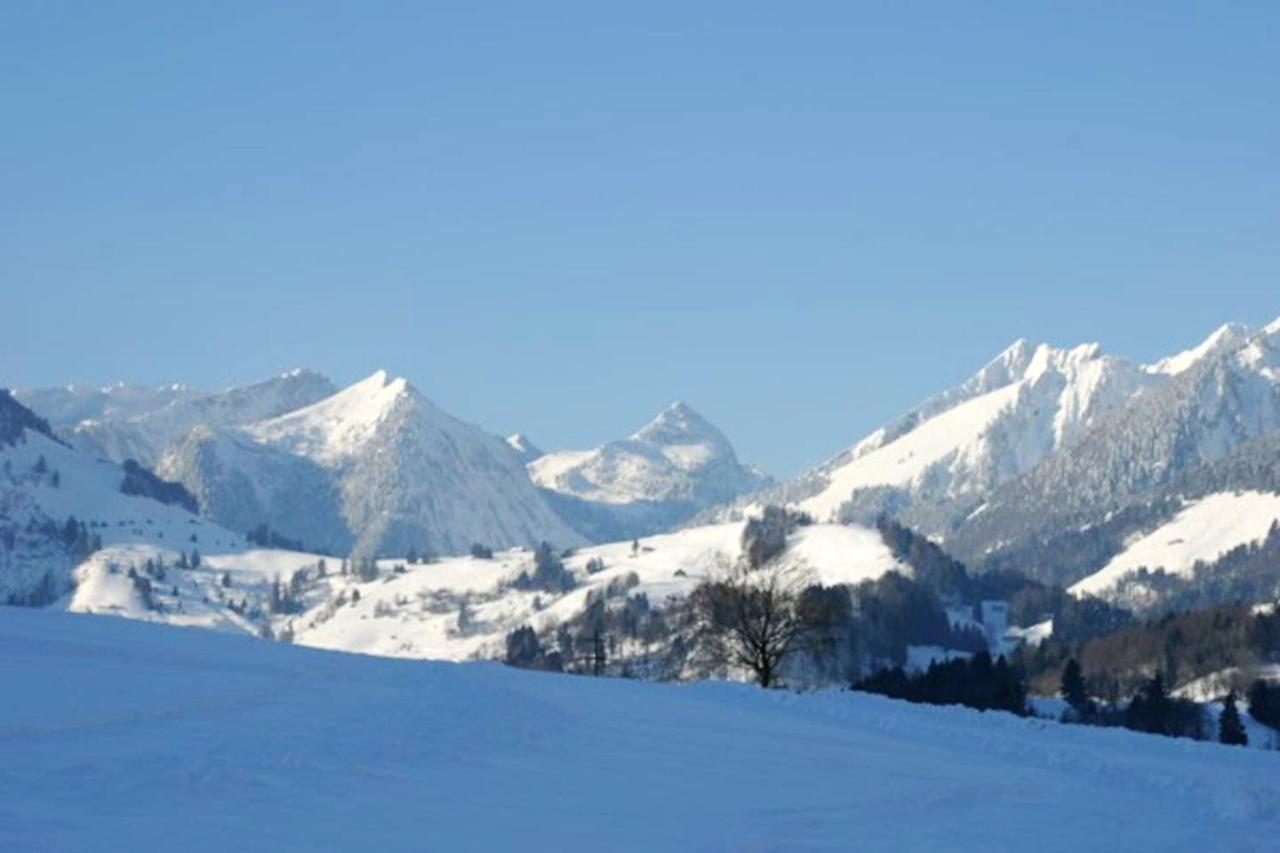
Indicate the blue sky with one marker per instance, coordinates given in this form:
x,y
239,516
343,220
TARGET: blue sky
x,y
800,218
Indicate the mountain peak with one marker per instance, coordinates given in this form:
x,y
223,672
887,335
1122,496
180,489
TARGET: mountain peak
x,y
379,387
679,423
1019,350
334,426
677,464
1228,336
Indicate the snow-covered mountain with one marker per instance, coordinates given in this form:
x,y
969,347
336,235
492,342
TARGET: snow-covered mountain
x,y
1206,413
69,405
59,505
131,422
936,466
656,479
1050,461
938,462
375,467
1226,338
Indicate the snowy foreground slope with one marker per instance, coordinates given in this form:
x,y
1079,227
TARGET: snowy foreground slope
x,y
120,735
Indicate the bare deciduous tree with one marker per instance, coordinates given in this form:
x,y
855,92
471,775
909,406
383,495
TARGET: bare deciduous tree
x,y
752,617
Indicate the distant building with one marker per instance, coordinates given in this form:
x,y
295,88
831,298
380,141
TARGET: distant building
x,y
995,622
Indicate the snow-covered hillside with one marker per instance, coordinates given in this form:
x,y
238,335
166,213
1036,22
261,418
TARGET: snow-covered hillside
x,y
375,467
58,504
129,422
416,613
121,735
675,466
455,608
1205,530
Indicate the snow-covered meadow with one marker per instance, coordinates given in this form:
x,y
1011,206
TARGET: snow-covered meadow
x,y
122,735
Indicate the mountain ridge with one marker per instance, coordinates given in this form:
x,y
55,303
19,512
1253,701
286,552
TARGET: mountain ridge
x,y
378,469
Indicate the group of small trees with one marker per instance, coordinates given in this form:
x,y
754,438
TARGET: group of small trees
x,y
264,536
1154,711
77,539
524,650
1151,709
549,573
1183,646
285,597
415,557
142,585
362,568
764,538
976,682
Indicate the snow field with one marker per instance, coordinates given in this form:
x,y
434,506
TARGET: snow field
x,y
124,735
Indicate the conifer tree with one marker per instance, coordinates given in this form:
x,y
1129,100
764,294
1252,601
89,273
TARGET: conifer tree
x,y
1072,686
1230,727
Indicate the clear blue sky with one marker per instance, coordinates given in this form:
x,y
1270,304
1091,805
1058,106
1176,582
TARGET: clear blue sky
x,y
800,218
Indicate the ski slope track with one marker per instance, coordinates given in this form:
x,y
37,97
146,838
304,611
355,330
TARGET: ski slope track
x,y
122,735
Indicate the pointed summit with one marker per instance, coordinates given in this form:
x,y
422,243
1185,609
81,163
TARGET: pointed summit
x,y
678,464
1018,352
340,423
1227,337
680,424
